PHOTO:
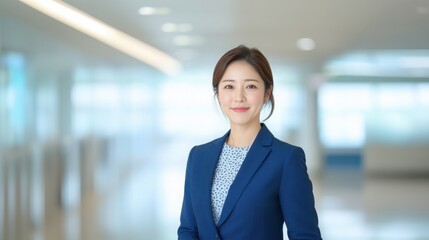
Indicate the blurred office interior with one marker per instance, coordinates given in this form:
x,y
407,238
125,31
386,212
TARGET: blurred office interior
x,y
101,101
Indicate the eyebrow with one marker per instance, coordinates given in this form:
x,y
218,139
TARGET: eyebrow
x,y
246,80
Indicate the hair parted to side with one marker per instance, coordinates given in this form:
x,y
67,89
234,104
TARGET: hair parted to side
x,y
255,58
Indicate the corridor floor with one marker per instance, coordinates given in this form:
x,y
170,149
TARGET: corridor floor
x,y
351,206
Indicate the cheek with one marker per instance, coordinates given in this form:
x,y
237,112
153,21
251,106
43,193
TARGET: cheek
x,y
223,98
256,98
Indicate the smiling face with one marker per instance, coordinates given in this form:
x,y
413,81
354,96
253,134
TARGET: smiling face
x,y
242,93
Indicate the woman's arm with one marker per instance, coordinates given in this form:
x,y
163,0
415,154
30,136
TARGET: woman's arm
x,y
297,200
188,226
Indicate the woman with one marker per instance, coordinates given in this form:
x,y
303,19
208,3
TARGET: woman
x,y
246,184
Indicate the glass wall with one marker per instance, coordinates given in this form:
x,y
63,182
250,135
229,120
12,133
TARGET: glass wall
x,y
355,114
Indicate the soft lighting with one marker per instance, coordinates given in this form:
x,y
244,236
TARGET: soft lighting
x,y
414,62
154,11
174,27
185,40
306,44
87,24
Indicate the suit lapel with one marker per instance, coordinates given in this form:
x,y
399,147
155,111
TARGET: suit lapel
x,y
254,158
207,167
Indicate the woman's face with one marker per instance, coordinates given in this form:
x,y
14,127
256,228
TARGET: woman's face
x,y
241,94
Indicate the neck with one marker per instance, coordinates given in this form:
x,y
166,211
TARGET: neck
x,y
243,136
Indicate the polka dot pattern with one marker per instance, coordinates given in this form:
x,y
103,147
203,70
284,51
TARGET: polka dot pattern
x,y
227,168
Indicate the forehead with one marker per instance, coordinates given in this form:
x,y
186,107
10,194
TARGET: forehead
x,y
241,70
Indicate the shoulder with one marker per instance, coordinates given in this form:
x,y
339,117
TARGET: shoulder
x,y
208,147
279,149
287,153
284,147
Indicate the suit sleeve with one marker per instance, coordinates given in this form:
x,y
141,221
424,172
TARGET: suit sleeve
x,y
188,227
297,200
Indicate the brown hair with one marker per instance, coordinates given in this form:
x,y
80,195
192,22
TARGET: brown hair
x,y
252,56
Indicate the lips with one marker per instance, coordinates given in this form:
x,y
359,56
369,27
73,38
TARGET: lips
x,y
240,109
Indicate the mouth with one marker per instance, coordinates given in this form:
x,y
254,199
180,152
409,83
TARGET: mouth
x,y
240,109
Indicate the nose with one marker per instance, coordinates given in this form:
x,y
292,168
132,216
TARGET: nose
x,y
240,96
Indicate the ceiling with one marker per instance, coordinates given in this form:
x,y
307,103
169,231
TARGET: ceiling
x,y
338,27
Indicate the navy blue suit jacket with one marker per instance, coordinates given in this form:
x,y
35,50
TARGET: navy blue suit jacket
x,y
271,187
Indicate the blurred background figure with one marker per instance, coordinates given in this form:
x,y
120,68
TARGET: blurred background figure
x,y
98,100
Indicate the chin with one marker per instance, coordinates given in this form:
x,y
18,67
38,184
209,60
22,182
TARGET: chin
x,y
241,122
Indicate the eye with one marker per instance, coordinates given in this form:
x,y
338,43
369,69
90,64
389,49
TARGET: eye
x,y
251,86
228,86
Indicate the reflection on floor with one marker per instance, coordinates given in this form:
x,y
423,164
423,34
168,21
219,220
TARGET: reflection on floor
x,y
352,206
146,205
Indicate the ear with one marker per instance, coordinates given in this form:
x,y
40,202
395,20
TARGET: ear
x,y
217,98
268,93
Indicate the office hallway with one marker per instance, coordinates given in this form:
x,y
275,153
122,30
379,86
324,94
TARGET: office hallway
x,y
101,102
350,206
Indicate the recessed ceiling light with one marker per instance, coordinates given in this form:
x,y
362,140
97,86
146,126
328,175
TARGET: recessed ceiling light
x,y
306,44
174,27
186,40
154,11
113,37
